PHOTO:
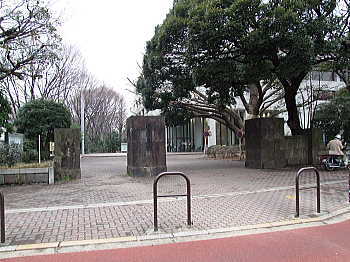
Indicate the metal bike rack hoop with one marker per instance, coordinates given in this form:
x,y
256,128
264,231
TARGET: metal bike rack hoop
x,y
301,171
155,196
2,217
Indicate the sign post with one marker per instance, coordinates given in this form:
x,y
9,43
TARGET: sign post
x,y
39,151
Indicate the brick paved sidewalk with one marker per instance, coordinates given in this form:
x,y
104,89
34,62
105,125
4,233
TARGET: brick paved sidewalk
x,y
104,180
103,205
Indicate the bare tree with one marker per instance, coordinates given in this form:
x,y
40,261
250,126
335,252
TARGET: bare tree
x,y
105,110
57,79
60,78
28,36
86,82
121,118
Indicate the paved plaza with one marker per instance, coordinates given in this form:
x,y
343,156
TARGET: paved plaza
x,y
106,203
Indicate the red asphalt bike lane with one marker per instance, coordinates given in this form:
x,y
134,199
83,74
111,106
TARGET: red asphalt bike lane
x,y
321,243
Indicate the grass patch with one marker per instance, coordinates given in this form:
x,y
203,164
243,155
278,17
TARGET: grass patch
x,y
29,165
66,178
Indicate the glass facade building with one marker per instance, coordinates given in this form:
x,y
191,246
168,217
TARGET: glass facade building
x,y
189,137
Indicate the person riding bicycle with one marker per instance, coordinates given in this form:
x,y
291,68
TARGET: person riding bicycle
x,y
335,147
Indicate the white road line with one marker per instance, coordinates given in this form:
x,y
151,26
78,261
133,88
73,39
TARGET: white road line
x,y
150,201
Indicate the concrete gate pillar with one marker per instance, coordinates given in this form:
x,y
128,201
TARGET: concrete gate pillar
x,y
67,153
265,143
317,145
146,145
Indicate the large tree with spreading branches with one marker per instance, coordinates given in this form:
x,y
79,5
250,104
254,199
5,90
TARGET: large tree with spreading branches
x,y
208,53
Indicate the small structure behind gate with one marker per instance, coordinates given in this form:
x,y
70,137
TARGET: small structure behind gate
x,y
155,196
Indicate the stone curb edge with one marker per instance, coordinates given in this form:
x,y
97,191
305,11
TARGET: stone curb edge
x,y
133,241
124,154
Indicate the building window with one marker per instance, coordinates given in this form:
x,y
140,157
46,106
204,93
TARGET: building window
x,y
324,95
323,76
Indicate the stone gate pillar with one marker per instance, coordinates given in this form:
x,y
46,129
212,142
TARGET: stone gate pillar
x,y
67,153
317,145
265,143
146,145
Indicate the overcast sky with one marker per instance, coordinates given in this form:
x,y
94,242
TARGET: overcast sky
x,y
111,35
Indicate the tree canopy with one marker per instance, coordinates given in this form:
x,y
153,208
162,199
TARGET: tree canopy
x,y
5,111
334,117
225,48
340,64
41,117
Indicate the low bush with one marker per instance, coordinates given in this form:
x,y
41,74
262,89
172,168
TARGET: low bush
x,y
225,152
30,156
29,145
9,155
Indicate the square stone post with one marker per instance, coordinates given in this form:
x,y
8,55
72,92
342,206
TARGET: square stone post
x,y
67,153
146,145
265,143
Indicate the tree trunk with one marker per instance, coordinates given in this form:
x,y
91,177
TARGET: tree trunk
x,y
293,115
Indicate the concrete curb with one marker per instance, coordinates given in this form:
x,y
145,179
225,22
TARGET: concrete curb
x,y
125,154
166,238
104,155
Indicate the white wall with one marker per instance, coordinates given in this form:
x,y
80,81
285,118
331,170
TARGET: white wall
x,y
198,132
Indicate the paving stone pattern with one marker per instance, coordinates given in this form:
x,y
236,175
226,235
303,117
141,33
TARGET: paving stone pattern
x,y
106,203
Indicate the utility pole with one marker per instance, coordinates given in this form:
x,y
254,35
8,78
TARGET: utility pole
x,y
82,122
39,150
